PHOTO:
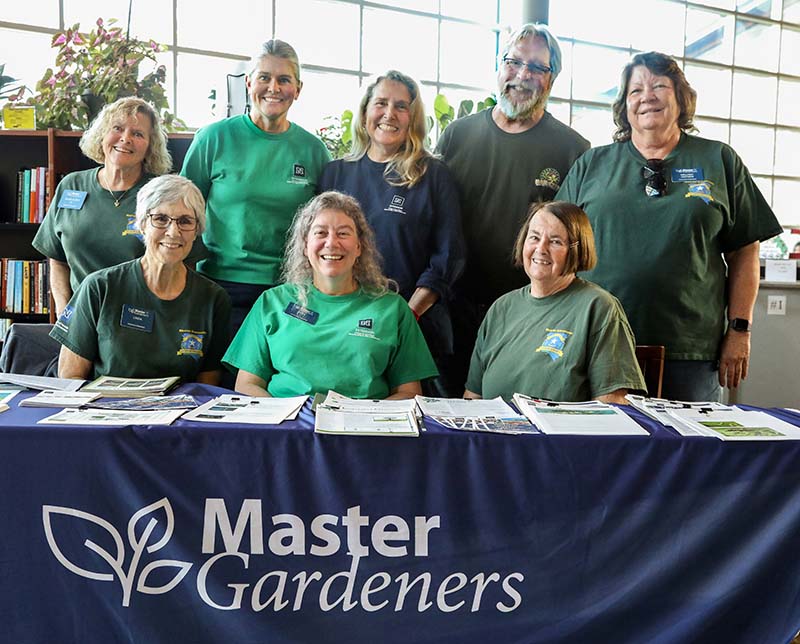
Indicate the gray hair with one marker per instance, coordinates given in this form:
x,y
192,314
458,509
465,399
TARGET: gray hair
x,y
169,188
537,30
157,159
279,49
367,270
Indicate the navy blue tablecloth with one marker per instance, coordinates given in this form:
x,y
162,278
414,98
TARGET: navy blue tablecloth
x,y
236,533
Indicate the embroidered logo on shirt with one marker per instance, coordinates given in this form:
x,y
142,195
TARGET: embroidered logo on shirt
x,y
549,178
554,343
298,175
396,205
364,329
700,189
191,343
131,228
66,315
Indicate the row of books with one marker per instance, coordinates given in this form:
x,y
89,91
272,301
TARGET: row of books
x,y
24,287
33,195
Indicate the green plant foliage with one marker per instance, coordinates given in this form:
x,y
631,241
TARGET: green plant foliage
x,y
102,63
337,134
7,88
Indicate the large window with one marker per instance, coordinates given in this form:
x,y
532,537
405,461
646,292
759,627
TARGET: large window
x,y
742,56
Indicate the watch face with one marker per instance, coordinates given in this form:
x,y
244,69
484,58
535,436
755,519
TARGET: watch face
x,y
740,324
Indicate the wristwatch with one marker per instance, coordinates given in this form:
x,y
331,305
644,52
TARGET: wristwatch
x,y
740,324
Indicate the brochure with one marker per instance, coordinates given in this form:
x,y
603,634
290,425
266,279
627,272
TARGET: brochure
x,y
111,387
588,419
332,421
179,401
343,403
736,424
113,417
63,399
656,408
231,408
42,382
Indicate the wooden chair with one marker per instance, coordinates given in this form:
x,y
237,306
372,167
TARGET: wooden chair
x,y
651,362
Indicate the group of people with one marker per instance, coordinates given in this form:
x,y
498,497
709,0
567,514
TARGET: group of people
x,y
395,271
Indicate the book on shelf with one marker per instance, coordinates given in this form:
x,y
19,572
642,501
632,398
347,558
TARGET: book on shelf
x,y
23,286
32,195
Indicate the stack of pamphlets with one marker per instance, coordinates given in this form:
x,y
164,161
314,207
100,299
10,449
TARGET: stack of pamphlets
x,y
590,418
476,415
339,414
231,408
733,424
42,382
657,408
114,417
61,399
153,403
111,387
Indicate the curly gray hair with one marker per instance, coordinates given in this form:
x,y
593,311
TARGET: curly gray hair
x,y
367,270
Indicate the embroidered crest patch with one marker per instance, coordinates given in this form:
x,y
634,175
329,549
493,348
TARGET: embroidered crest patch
x,y
701,189
554,342
131,228
191,343
549,178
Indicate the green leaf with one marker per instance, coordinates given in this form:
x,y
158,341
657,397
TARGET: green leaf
x,y
441,107
465,107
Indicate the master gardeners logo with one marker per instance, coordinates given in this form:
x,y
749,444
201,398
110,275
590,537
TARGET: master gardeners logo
x,y
554,343
141,532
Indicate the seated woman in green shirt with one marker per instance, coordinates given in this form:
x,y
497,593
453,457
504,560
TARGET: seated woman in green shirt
x,y
561,337
150,317
334,324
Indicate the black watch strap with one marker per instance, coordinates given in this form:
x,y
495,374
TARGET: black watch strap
x,y
740,324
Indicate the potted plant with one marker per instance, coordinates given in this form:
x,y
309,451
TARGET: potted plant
x,y
95,68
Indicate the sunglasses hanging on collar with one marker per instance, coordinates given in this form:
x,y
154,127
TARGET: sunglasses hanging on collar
x,y
653,174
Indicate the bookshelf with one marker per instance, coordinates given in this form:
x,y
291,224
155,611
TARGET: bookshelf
x,y
58,151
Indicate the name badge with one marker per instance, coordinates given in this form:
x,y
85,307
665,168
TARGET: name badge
x,y
136,318
301,313
680,175
72,199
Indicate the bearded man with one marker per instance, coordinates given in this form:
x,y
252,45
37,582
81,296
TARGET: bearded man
x,y
503,159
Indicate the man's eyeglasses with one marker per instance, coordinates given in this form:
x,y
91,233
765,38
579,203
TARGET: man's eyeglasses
x,y
185,223
534,68
653,174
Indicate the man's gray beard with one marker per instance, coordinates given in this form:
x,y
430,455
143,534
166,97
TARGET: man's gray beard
x,y
521,111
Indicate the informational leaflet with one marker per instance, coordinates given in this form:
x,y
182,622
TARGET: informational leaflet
x,y
478,415
112,387
113,417
736,424
62,399
587,419
7,394
332,421
230,408
42,382
179,401
343,403
656,408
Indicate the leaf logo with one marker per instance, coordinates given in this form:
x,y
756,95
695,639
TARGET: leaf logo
x,y
140,531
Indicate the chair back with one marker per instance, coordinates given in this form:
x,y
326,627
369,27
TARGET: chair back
x,y
28,349
651,362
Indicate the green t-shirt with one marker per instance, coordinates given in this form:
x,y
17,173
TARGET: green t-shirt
x,y
663,256
96,235
499,175
357,345
115,321
574,345
253,183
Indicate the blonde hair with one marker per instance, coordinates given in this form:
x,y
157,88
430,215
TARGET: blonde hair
x,y
367,269
408,166
157,159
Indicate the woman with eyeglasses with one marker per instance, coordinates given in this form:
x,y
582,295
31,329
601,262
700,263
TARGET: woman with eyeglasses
x,y
150,317
559,337
678,220
411,202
